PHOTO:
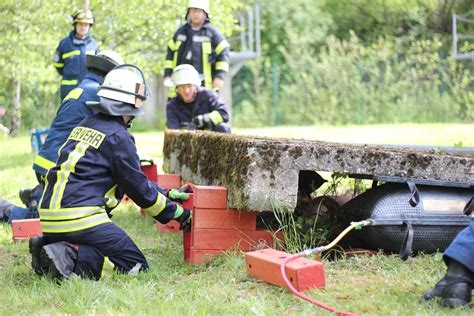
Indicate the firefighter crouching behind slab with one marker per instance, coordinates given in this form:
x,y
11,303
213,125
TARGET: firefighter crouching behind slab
x,y
195,107
98,164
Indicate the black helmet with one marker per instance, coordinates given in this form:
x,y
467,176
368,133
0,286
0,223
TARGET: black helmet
x,y
104,61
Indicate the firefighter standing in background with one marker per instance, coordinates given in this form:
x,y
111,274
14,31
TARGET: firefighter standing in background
x,y
195,107
70,57
200,44
98,164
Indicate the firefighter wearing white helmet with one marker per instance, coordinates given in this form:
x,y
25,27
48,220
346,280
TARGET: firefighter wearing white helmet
x,y
73,109
70,57
200,44
195,107
98,164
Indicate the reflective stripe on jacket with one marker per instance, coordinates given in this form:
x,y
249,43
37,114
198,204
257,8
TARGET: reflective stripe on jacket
x,y
206,49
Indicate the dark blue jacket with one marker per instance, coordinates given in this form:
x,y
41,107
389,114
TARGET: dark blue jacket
x,y
70,60
72,111
206,49
96,165
179,114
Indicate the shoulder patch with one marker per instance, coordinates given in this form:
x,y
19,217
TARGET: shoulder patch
x,y
87,135
74,94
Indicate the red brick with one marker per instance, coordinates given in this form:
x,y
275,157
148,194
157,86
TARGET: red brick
x,y
171,227
224,219
150,171
303,273
169,181
23,229
198,257
227,239
210,197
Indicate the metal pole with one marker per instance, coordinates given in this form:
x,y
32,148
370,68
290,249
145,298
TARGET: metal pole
x,y
275,98
251,30
257,29
455,37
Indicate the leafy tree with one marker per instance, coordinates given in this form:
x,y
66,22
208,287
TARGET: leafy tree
x,y
32,29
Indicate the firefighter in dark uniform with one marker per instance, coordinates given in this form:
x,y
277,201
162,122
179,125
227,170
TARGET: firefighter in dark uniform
x,y
195,107
200,44
98,164
455,288
72,111
70,57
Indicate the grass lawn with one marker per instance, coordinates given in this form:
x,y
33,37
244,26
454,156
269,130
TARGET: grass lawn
x,y
378,285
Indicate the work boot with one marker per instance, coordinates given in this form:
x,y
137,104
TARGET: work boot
x,y
25,196
60,258
35,246
455,288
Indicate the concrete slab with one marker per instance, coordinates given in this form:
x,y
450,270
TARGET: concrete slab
x,y
262,173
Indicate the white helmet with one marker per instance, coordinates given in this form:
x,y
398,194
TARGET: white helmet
x,y
186,74
125,84
199,4
104,61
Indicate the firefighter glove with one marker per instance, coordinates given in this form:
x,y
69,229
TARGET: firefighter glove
x,y
203,121
177,195
183,216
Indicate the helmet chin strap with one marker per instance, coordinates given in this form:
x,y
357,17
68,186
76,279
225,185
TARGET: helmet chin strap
x,y
129,123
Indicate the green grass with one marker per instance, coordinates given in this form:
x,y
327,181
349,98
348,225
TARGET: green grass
x,y
378,285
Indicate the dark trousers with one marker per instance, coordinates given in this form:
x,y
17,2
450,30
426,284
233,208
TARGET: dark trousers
x,y
462,247
99,245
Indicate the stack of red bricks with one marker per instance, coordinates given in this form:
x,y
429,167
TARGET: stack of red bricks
x,y
216,229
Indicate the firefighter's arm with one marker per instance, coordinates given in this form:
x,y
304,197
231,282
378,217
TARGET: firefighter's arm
x,y
172,119
218,112
170,62
58,61
129,177
221,50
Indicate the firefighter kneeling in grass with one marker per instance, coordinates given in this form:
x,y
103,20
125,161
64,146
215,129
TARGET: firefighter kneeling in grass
x,y
98,164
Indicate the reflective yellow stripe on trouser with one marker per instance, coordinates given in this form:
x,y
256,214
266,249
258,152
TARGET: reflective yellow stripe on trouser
x,y
63,174
206,66
107,269
158,206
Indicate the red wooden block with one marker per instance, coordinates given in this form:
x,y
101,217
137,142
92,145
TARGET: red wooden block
x,y
150,171
23,229
169,181
171,227
210,197
224,219
303,273
189,204
197,256
227,239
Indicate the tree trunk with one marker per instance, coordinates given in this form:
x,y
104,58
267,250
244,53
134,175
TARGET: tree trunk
x,y
16,115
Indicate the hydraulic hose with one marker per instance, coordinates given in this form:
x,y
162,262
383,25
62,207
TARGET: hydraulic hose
x,y
307,252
